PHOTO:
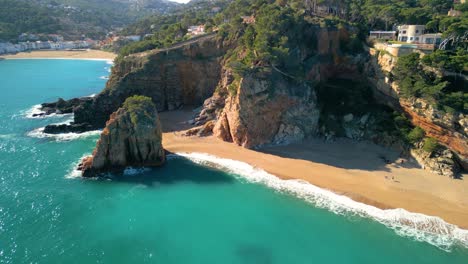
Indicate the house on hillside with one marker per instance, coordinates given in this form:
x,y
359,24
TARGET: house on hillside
x,y
196,30
248,19
410,33
133,38
454,13
384,35
435,38
414,34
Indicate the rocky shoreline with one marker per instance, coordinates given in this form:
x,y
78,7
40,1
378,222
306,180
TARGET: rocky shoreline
x,y
262,107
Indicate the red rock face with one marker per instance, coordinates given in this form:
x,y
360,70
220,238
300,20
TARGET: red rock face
x,y
454,140
125,142
272,107
267,109
449,129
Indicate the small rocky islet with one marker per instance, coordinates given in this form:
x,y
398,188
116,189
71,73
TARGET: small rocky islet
x,y
132,137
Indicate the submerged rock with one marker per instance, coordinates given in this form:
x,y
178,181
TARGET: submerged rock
x,y
67,128
132,137
61,106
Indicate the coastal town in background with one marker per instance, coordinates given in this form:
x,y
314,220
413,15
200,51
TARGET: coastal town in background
x,y
401,40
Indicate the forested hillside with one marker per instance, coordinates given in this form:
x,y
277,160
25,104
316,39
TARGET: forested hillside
x,y
73,18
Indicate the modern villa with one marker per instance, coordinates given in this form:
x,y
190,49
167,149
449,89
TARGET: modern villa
x,y
415,34
385,35
196,30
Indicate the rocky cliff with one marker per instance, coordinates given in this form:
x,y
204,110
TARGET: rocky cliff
x,y
268,105
271,104
450,129
266,108
132,137
185,74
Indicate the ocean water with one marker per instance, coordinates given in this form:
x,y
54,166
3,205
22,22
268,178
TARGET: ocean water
x,y
196,209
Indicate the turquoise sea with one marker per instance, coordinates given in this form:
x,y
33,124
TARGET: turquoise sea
x,y
185,212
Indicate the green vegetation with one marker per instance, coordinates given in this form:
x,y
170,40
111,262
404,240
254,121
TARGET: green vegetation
x,y
140,108
71,18
456,61
396,125
416,135
415,81
430,145
166,30
21,16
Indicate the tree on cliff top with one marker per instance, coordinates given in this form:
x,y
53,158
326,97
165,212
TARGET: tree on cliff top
x,y
414,81
141,109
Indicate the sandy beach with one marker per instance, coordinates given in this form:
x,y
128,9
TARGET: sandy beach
x,y
355,169
63,54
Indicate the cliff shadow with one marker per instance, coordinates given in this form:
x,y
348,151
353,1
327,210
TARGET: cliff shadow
x,y
177,120
342,153
176,170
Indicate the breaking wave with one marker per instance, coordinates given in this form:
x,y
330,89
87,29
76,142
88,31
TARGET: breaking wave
x,y
36,110
418,226
39,133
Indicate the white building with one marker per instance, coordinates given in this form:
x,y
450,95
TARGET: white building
x,y
196,30
435,39
386,35
415,34
410,33
133,38
56,45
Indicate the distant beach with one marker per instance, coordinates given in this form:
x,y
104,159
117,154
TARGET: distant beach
x,y
353,169
63,54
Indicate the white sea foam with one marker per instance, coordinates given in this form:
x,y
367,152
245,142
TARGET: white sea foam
x,y
104,77
420,227
74,172
92,95
39,133
36,110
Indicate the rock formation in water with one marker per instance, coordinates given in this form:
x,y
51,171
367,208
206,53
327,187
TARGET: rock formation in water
x,y
132,137
61,106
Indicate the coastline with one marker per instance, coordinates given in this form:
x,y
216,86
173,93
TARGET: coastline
x,y
63,55
368,187
412,188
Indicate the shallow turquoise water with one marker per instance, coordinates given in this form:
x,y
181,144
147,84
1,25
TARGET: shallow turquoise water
x,y
181,213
